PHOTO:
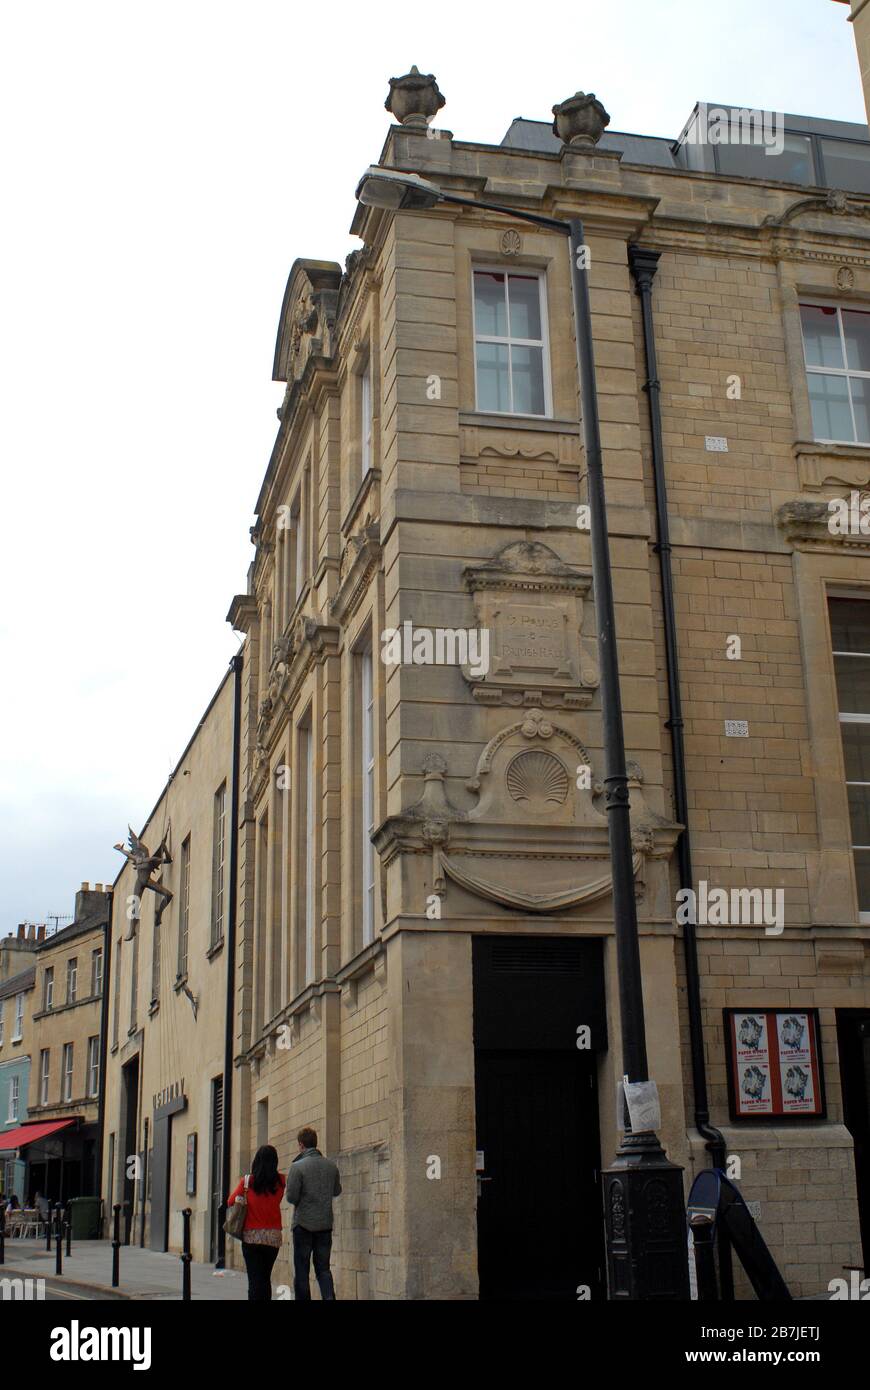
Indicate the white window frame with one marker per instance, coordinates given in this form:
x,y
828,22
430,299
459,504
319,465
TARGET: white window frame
x,y
19,1018
93,1067
67,1077
48,985
843,716
44,1074
834,371
183,962
307,733
2,1020
14,1099
72,979
366,417
367,773
97,972
530,272
218,890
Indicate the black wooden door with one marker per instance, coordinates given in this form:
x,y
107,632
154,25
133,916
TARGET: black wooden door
x,y
538,1210
853,1040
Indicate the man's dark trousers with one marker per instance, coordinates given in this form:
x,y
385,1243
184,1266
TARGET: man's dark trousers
x,y
306,1244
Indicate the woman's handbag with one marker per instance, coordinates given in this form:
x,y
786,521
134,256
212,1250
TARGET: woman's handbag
x,y
235,1222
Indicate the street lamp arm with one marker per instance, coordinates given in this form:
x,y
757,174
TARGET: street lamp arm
x,y
553,224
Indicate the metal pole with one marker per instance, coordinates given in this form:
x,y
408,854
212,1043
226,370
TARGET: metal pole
x,y
116,1245
643,264
229,1021
645,1220
68,1230
3,1236
186,1256
58,1236
634,1060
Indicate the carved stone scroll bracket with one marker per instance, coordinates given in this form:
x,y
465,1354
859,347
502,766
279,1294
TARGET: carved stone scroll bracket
x,y
813,525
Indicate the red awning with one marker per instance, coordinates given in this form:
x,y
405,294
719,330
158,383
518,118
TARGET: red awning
x,y
28,1134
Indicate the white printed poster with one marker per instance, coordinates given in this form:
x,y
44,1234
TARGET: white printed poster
x,y
775,1065
795,1063
753,1063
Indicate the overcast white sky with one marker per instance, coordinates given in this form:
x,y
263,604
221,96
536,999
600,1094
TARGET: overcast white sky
x,y
162,166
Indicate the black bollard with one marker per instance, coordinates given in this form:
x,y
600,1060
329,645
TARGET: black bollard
x,y
186,1256
58,1231
116,1246
703,1233
2,1237
48,1230
68,1231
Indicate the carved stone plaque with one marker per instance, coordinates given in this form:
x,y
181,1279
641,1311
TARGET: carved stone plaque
x,y
532,606
531,638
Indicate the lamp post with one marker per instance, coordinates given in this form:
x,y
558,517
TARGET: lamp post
x,y
644,1211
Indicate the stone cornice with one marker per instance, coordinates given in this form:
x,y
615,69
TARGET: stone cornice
x,y
242,612
805,524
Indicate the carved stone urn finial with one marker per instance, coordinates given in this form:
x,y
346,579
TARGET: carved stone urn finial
x,y
414,99
580,120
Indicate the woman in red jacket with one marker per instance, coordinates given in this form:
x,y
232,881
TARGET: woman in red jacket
x,y
261,1237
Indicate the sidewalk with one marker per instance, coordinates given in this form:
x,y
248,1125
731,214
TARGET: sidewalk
x,y
145,1274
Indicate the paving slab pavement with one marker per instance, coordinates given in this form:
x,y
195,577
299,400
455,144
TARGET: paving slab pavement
x,y
145,1274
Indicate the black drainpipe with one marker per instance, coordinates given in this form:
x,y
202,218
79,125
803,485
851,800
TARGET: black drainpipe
x,y
643,265
104,1047
226,1137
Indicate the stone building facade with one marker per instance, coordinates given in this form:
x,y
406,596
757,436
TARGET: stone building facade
x,y
66,1051
422,1006
163,1108
423,962
16,1007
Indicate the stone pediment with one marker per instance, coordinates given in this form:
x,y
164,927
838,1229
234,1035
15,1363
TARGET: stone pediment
x,y
307,325
530,808
533,606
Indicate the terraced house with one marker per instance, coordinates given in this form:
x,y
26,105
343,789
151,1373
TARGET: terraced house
x,y
63,1109
17,979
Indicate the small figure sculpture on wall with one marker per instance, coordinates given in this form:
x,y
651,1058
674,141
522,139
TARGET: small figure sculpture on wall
x,y
146,864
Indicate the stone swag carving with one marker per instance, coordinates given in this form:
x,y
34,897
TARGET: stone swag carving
x,y
531,804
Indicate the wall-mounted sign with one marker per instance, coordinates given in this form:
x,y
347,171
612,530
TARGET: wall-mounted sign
x,y
168,1094
774,1064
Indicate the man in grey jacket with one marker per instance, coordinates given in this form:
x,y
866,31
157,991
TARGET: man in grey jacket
x,y
312,1183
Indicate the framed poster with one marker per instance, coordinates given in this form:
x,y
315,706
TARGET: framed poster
x,y
190,1186
774,1060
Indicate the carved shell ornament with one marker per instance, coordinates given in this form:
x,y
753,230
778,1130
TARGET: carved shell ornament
x,y
537,778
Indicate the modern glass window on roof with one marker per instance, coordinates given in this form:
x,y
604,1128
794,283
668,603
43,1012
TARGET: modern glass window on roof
x,y
792,164
777,147
846,164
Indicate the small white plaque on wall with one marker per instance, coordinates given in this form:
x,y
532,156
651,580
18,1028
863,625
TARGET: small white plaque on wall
x,y
716,444
736,728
